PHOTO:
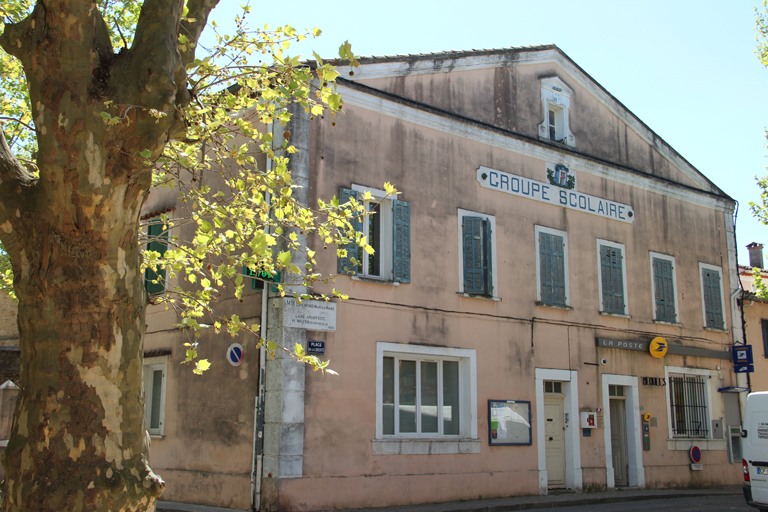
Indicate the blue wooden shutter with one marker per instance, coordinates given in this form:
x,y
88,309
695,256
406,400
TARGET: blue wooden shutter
x,y
472,234
612,279
401,253
713,310
764,324
345,265
487,255
157,242
552,269
665,290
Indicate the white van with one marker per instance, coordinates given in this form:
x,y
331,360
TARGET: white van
x,y
755,450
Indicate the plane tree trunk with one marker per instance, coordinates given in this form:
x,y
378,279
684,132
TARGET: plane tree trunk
x,y
78,440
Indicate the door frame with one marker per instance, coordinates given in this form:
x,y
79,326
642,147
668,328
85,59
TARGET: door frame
x,y
573,476
633,426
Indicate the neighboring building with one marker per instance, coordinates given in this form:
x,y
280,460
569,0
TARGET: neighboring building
x,y
499,342
755,318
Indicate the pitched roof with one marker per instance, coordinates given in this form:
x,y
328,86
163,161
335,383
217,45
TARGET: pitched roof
x,y
443,62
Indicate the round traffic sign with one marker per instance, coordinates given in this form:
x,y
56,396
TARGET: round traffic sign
x,y
235,354
695,454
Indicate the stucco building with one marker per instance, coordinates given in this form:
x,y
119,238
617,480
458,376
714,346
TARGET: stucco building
x,y
755,310
551,305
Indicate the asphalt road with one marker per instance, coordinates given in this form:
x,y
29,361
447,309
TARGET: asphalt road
x,y
698,504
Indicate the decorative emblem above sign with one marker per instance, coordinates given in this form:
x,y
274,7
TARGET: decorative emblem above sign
x,y
547,193
561,177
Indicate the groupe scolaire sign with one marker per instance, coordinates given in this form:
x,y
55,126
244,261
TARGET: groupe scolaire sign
x,y
559,192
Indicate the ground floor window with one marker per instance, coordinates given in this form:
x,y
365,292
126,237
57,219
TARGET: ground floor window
x,y
688,405
155,371
425,391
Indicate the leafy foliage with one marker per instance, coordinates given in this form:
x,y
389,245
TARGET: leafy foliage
x,y
760,208
229,168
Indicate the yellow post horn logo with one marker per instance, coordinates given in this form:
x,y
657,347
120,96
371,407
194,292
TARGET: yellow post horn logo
x,y
658,347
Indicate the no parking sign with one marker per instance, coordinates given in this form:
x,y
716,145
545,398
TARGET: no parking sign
x,y
235,354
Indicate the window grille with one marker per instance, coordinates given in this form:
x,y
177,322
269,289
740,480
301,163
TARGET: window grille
x,y
688,400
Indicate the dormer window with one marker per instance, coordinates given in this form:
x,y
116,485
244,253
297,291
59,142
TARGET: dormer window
x,y
552,125
556,104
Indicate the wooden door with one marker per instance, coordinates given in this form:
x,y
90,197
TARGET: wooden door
x,y
619,442
554,433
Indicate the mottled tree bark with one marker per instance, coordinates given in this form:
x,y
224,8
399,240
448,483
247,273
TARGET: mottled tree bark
x,y
78,440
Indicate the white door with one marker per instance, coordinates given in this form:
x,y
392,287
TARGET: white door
x,y
554,432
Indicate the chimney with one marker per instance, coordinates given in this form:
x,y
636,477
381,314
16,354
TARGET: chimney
x,y
755,255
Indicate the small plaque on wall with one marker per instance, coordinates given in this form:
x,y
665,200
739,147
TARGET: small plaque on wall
x,y
509,422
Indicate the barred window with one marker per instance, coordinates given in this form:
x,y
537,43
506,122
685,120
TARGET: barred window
x,y
688,403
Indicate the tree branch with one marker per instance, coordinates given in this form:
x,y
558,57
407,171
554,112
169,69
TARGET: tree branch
x,y
158,21
198,14
13,175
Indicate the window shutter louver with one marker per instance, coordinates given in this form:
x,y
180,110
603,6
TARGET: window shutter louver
x,y
612,279
665,290
156,236
712,305
344,265
552,264
472,232
402,242
488,254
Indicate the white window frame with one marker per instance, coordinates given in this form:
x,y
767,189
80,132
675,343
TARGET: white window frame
x,y
541,229
671,259
707,266
386,220
615,245
152,364
556,95
494,274
467,386
677,370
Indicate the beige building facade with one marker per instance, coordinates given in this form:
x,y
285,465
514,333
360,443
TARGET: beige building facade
x,y
551,305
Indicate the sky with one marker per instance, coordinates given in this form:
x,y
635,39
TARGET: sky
x,y
687,69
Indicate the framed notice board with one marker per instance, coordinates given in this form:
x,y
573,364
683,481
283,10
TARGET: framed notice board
x,y
509,422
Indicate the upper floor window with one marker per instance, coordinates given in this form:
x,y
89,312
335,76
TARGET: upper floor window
x,y
613,275
713,303
386,224
556,105
477,253
157,235
551,266
664,285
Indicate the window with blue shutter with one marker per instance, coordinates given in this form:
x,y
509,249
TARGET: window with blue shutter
x,y
713,306
401,253
664,289
349,264
552,269
477,253
612,279
154,280
386,224
764,325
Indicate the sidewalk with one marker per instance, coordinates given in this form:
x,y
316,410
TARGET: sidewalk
x,y
556,500
564,499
